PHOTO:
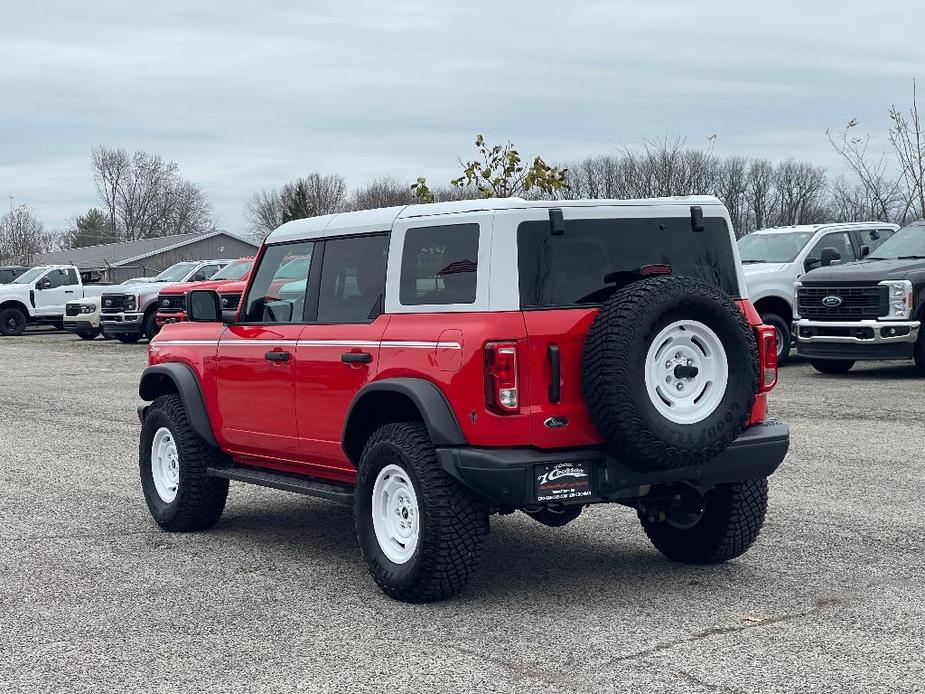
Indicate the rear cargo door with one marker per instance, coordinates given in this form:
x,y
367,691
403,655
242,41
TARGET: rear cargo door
x,y
564,277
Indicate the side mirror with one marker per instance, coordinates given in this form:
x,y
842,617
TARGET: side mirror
x,y
865,251
43,283
203,306
829,256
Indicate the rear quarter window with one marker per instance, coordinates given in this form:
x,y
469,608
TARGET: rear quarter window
x,y
569,269
439,265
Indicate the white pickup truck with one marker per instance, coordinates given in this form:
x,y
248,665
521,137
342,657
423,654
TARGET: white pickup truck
x,y
39,296
775,259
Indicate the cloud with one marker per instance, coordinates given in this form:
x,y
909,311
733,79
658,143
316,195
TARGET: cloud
x,y
246,97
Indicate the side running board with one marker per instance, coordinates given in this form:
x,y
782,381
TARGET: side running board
x,y
332,491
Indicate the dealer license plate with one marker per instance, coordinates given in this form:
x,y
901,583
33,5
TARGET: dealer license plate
x,y
562,481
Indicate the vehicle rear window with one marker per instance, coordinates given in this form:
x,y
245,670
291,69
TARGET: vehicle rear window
x,y
569,269
438,265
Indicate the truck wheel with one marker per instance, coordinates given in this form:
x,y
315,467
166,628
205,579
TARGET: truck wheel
x,y
784,339
724,526
151,328
420,532
128,338
832,366
12,322
173,460
669,372
87,334
556,517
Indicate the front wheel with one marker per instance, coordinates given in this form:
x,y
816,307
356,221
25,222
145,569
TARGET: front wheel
x,y
128,338
784,339
711,529
173,463
12,322
420,532
151,328
832,366
88,334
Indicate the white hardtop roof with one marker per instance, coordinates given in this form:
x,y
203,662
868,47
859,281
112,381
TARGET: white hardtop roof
x,y
812,228
381,219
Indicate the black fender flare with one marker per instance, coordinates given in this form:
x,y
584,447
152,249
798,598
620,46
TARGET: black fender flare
x,y
429,400
184,382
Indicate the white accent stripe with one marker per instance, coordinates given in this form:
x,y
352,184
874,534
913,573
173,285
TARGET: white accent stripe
x,y
401,344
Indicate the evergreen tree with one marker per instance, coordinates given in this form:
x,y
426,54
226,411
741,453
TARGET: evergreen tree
x,y
92,229
295,202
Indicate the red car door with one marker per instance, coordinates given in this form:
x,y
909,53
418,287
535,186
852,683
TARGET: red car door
x,y
338,350
257,360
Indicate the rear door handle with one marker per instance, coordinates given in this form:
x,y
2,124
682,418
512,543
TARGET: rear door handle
x,y
356,357
277,356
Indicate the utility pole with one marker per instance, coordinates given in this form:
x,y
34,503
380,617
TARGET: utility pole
x,y
11,206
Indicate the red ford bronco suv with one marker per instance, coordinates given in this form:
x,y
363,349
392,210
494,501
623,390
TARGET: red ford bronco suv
x,y
435,364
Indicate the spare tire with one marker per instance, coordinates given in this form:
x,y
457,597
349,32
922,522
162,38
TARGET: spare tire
x,y
669,372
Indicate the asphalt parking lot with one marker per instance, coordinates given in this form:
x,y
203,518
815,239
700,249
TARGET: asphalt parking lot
x,y
93,597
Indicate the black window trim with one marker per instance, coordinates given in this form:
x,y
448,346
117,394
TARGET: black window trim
x,y
313,283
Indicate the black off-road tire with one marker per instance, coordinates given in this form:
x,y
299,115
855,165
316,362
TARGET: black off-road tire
x,y
732,518
832,366
783,330
128,338
12,322
453,523
87,334
151,328
613,372
200,499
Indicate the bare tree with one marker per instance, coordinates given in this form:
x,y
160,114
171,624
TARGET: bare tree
x,y
800,186
381,192
145,196
314,195
22,236
907,135
264,212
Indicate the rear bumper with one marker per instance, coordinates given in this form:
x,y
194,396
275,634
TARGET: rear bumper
x,y
507,477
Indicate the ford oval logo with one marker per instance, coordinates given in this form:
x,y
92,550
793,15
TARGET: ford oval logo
x,y
556,422
108,302
832,301
165,303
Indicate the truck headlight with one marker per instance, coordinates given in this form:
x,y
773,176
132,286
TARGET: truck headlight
x,y
130,303
899,299
796,300
87,309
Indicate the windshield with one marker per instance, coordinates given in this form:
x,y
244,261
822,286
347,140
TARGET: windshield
x,y
234,271
908,242
175,273
773,247
30,276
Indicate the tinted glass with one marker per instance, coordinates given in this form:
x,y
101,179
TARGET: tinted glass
x,y
233,271
570,269
61,278
353,279
839,242
907,242
272,299
773,247
438,265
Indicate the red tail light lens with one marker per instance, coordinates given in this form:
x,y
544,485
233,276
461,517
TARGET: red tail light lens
x,y
501,394
767,357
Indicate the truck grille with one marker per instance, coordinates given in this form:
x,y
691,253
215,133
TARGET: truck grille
x,y
171,303
230,301
857,303
112,303
72,309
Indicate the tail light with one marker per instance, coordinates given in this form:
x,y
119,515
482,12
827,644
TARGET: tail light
x,y
767,357
501,377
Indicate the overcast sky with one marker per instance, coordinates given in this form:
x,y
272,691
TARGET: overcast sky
x,y
247,98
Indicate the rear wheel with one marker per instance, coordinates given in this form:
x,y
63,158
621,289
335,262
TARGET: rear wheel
x,y
784,339
12,322
713,528
173,462
420,532
832,366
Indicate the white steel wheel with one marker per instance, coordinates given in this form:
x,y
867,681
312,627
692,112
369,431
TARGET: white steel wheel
x,y
686,372
165,465
396,518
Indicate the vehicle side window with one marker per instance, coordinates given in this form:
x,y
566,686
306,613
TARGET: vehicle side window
x,y
206,271
61,278
71,277
279,299
353,279
838,241
439,264
874,238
